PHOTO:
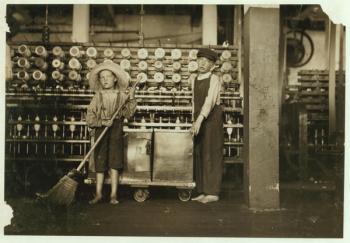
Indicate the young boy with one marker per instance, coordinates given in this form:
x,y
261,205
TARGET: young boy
x,y
109,82
207,128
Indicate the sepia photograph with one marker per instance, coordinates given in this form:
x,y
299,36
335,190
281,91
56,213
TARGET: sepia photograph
x,y
206,120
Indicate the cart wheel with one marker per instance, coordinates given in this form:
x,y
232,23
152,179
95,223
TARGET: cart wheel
x,y
184,195
140,195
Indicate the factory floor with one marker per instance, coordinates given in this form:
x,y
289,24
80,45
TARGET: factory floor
x,y
303,213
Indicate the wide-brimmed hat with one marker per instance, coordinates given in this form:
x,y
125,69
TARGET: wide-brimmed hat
x,y
208,53
122,76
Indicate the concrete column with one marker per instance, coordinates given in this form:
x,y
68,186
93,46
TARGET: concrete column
x,y
210,25
237,26
81,23
331,81
261,107
237,41
340,89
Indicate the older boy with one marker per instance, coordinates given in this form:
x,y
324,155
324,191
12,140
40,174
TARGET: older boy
x,y
207,128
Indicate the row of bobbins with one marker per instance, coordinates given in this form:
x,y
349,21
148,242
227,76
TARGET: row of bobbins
x,y
28,59
74,64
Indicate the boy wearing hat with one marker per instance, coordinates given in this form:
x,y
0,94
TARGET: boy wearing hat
x,y
207,128
109,82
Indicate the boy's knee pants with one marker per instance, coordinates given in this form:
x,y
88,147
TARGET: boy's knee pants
x,y
109,153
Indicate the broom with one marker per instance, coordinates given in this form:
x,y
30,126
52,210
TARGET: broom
x,y
63,192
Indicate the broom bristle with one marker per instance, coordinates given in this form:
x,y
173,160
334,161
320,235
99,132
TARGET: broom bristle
x,y
63,192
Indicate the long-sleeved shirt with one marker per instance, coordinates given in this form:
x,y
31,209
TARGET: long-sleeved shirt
x,y
105,103
213,97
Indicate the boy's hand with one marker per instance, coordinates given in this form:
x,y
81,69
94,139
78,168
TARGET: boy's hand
x,y
107,123
197,125
132,93
91,131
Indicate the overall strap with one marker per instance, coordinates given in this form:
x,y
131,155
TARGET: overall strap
x,y
103,109
118,104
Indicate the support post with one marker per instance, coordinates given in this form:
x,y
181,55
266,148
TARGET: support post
x,y
81,23
210,25
261,107
331,81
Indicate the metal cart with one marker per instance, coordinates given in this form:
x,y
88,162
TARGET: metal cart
x,y
156,157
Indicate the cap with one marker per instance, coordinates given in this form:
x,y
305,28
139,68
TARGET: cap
x,y
208,53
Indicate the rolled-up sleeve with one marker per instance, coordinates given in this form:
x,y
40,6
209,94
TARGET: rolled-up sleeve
x,y
212,97
92,119
129,108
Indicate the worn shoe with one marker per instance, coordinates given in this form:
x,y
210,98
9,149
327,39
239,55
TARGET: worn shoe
x,y
198,197
95,200
209,198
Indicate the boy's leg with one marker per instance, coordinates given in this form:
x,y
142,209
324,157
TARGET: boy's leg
x,y
115,156
198,167
114,185
99,185
100,156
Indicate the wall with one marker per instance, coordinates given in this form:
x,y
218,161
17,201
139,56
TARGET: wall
x,y
157,28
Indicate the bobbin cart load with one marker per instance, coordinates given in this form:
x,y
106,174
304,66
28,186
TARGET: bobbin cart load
x,y
156,157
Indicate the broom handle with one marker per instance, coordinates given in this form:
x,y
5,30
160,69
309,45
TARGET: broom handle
x,y
104,131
